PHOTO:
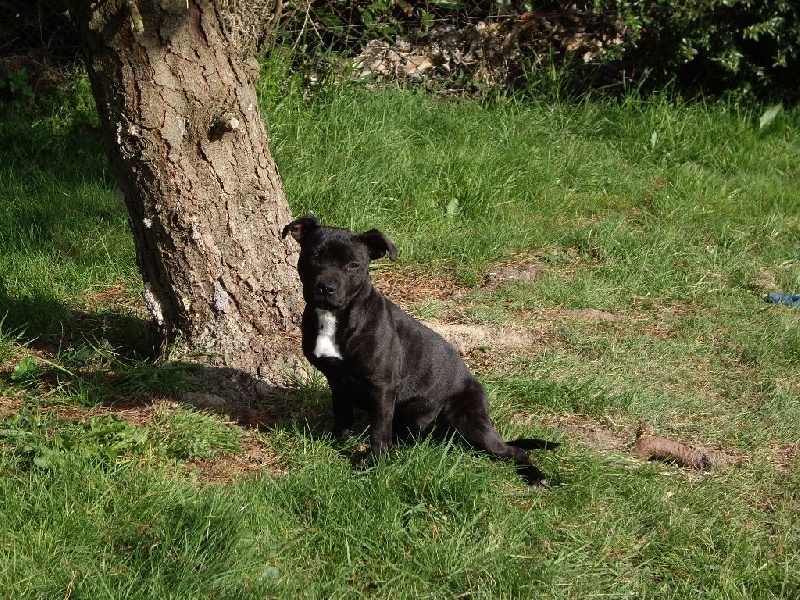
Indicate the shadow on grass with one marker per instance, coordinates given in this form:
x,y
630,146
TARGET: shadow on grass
x,y
110,358
54,140
48,325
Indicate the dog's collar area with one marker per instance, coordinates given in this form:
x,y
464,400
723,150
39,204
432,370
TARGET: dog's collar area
x,y
326,346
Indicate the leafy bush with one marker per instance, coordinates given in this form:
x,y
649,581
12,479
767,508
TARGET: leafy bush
x,y
751,46
40,27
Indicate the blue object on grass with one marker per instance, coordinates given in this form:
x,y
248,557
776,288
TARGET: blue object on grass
x,y
785,299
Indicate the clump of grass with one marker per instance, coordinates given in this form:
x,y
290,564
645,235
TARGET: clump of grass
x,y
44,439
188,433
10,341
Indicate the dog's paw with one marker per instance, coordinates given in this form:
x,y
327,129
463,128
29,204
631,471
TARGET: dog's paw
x,y
533,476
342,433
533,444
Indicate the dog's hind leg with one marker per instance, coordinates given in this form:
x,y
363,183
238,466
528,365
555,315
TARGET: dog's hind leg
x,y
473,424
484,436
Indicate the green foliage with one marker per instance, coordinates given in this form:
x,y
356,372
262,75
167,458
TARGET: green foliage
x,y
27,372
16,86
37,28
44,440
39,192
47,442
750,46
342,25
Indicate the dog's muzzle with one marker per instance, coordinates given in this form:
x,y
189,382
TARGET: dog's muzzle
x,y
324,289
324,295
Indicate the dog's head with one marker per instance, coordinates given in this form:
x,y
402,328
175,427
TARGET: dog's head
x,y
334,263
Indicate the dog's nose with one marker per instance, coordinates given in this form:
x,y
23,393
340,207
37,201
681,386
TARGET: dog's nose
x,y
325,289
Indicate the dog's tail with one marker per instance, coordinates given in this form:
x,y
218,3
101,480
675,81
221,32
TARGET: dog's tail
x,y
533,444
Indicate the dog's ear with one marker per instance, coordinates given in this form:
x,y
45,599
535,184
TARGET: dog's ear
x,y
300,228
378,244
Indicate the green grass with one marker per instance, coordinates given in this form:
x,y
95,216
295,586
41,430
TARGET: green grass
x,y
675,218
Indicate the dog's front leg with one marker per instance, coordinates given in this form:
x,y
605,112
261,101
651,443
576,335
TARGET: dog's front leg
x,y
342,409
382,414
342,416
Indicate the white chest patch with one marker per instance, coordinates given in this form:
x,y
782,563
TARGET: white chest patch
x,y
326,336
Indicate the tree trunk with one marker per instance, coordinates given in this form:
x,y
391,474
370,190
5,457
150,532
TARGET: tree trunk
x,y
176,96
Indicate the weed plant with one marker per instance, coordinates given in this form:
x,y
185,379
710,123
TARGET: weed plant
x,y
672,219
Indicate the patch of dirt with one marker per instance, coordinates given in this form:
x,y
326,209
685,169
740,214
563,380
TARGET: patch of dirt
x,y
622,439
252,459
765,282
140,415
466,337
591,433
407,285
491,347
10,406
785,457
589,315
521,269
116,296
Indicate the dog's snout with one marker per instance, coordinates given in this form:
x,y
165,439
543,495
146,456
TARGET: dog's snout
x,y
325,288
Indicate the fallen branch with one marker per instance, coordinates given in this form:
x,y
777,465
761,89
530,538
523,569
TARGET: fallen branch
x,y
652,447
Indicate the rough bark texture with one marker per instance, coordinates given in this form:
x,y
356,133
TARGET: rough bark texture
x,y
206,205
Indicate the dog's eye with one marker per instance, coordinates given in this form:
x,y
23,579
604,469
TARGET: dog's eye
x,y
353,265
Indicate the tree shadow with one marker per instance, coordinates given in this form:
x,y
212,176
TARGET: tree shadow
x,y
59,135
82,361
49,325
110,358
107,356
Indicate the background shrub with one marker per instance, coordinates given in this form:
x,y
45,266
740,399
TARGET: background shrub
x,y
750,47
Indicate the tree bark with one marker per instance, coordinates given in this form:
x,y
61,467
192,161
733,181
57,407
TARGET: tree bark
x,y
176,96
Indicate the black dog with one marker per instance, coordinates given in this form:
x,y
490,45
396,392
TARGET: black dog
x,y
377,358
